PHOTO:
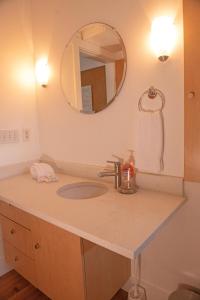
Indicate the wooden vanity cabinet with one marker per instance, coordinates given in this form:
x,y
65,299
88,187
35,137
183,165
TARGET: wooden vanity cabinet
x,y
59,263
105,271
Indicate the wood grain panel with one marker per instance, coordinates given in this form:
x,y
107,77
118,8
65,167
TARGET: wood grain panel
x,y
29,293
59,263
18,236
58,259
10,284
14,287
15,214
121,295
105,271
119,72
191,12
96,77
20,262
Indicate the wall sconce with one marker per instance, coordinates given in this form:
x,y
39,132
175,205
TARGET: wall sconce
x,y
42,72
163,37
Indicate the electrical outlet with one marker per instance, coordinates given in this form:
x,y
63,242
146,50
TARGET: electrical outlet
x,y
8,136
26,134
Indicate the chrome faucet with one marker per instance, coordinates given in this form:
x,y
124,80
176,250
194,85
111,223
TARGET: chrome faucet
x,y
115,173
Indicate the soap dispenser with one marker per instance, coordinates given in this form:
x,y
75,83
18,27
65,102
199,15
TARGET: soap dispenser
x,y
128,185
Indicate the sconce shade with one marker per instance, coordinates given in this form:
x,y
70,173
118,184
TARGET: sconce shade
x,y
163,37
42,72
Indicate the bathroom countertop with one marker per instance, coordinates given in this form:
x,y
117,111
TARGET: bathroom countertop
x,y
124,224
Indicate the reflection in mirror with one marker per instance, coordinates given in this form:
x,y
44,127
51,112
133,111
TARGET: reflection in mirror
x,y
93,68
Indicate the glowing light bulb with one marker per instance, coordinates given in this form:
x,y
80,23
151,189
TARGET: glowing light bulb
x,y
163,37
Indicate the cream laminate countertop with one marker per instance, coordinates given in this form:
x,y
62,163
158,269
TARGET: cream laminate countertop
x,y
124,224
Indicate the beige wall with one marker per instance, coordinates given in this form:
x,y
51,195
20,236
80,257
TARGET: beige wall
x,y
69,136
17,88
173,257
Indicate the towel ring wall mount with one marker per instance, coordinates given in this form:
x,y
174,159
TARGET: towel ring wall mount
x,y
152,93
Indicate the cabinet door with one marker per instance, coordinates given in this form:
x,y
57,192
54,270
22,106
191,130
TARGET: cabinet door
x,y
106,272
58,258
191,12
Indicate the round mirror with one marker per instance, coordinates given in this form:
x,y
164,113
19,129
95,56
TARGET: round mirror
x,y
93,68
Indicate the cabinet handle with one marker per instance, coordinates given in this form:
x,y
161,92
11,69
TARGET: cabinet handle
x,y
16,258
12,231
191,95
37,246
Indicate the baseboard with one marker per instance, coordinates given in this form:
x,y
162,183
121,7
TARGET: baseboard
x,y
4,267
153,292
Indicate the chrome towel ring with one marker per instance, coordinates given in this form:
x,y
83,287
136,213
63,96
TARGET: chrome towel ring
x,y
152,93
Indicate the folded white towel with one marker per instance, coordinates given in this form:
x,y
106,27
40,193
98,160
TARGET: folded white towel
x,y
43,172
150,142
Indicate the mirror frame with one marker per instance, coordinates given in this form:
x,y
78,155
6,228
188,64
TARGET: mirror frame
x,y
124,71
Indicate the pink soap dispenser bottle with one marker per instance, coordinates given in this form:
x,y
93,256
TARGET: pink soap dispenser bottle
x,y
128,185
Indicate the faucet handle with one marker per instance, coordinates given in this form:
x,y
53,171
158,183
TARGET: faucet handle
x,y
117,166
118,163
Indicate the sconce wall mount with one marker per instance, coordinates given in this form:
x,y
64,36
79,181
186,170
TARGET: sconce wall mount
x,y
163,58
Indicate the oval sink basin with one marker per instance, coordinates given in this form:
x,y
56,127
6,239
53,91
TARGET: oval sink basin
x,y
82,190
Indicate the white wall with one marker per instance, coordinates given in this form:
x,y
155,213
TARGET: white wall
x,y
17,87
69,136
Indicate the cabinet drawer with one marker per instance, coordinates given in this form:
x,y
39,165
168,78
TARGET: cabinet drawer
x,y
20,262
18,236
15,214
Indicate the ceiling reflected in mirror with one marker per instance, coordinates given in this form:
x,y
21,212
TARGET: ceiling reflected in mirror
x,y
93,68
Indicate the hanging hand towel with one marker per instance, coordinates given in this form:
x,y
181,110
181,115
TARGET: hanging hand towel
x,y
150,142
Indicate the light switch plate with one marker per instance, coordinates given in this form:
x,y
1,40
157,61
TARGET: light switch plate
x,y
26,134
8,136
